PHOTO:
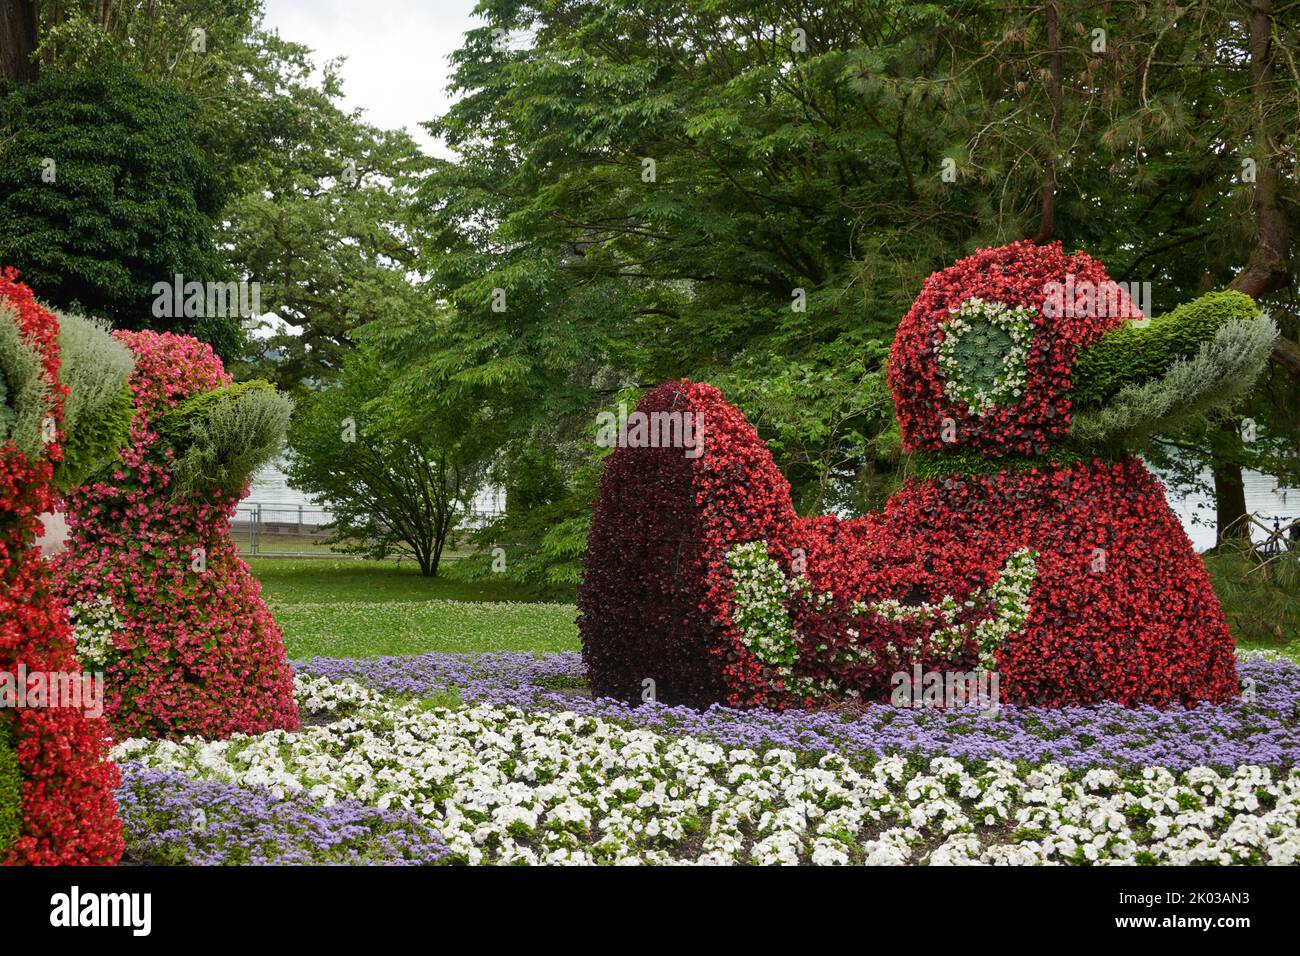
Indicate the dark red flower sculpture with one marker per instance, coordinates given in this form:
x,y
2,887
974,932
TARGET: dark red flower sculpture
x,y
1027,543
56,782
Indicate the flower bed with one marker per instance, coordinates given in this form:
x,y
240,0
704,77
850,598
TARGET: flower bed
x,y
1265,732
169,818
529,770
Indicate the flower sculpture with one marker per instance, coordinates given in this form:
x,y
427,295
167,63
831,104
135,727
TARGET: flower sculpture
x,y
1027,540
56,783
157,592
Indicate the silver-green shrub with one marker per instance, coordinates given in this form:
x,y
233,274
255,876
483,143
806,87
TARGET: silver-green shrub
x,y
1219,373
98,409
221,437
26,397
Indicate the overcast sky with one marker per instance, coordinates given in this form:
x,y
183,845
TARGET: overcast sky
x,y
397,68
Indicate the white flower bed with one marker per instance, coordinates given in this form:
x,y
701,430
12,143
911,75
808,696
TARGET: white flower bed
x,y
506,786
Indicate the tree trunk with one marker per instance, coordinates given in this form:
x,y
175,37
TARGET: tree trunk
x,y
1267,269
1229,504
18,40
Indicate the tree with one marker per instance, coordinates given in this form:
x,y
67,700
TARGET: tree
x,y
393,488
313,205
331,238
105,190
753,192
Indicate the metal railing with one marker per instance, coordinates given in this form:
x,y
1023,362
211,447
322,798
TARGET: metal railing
x,y
268,529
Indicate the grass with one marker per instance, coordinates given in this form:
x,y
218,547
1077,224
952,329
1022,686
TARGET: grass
x,y
373,609
349,608
321,580
1260,600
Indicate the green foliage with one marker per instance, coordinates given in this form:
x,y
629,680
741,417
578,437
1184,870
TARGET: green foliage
x,y
222,436
28,393
979,354
1261,599
11,811
397,474
817,169
773,250
98,410
1213,378
132,202
329,254
541,543
983,354
828,418
97,440
963,463
330,241
1131,354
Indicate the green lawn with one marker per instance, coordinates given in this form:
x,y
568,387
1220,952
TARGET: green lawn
x,y
346,608
370,609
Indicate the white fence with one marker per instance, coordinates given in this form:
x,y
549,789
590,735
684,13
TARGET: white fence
x,y
276,529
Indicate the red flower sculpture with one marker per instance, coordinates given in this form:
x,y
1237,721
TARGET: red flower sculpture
x,y
66,812
194,648
1017,548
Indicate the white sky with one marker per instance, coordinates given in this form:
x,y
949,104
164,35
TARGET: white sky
x,y
397,67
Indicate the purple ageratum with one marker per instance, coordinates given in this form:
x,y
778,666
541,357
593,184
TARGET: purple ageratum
x,y
168,818
1265,732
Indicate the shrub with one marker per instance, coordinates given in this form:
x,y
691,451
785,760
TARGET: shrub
x,y
29,394
1138,353
7,414
222,436
11,812
134,198
1220,371
97,415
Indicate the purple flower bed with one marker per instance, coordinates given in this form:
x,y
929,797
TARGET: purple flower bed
x,y
1265,732
171,819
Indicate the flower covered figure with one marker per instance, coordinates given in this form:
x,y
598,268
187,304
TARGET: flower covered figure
x,y
1027,541
155,587
56,782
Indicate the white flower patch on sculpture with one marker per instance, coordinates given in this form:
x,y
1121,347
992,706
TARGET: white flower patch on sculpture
x,y
983,352
760,589
93,627
1007,598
